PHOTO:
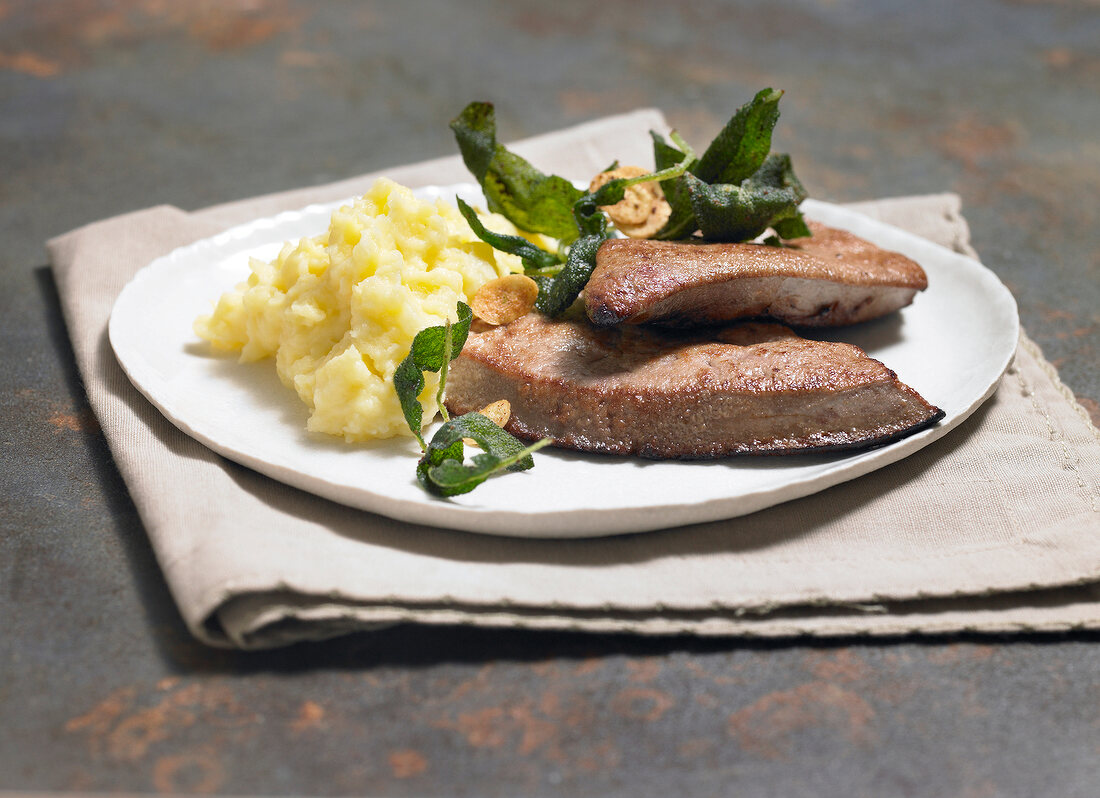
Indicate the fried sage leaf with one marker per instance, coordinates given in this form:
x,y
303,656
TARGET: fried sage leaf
x,y
777,172
535,259
681,222
741,147
532,200
556,294
770,198
442,471
737,153
432,350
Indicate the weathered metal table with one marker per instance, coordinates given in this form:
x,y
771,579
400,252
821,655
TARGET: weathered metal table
x,y
108,106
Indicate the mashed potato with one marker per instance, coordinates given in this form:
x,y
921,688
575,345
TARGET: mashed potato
x,y
339,311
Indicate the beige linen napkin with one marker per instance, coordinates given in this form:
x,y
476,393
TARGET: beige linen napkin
x,y
995,527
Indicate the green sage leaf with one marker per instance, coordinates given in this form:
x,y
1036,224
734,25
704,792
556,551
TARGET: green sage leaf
x,y
735,154
442,471
535,259
556,294
531,200
770,198
432,349
737,213
743,144
681,222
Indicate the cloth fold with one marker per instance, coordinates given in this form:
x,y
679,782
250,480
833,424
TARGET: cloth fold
x,y
995,527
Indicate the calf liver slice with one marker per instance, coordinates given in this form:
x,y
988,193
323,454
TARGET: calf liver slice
x,y
753,388
829,279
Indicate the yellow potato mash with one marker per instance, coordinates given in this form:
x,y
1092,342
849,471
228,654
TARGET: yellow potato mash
x,y
339,311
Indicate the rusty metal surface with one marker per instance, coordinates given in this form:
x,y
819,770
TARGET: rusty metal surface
x,y
112,105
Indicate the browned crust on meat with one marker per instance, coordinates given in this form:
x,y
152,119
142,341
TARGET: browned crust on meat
x,y
831,278
750,389
862,262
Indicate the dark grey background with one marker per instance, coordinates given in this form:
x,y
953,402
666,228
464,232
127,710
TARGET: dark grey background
x,y
107,107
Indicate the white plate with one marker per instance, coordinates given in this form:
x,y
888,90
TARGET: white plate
x,y
952,345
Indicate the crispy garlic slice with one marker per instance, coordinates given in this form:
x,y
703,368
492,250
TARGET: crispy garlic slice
x,y
643,209
505,299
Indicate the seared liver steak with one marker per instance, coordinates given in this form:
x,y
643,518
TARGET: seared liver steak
x,y
746,389
830,279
